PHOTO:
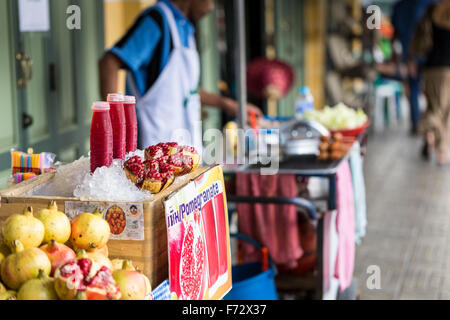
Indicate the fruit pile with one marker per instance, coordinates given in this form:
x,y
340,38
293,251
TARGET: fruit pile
x,y
47,257
162,164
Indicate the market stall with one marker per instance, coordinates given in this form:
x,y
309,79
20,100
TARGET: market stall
x,y
117,224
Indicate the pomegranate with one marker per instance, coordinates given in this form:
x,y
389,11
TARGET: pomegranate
x,y
56,223
134,169
168,148
151,164
154,152
152,181
23,265
97,257
83,279
133,284
191,153
25,228
58,254
176,160
167,174
103,250
89,231
192,264
118,264
41,288
8,295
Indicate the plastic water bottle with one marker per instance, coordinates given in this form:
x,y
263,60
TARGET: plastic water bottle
x,y
304,103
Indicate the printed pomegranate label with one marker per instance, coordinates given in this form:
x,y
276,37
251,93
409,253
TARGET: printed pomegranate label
x,y
198,244
126,220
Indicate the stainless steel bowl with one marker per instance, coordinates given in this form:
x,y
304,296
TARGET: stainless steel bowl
x,y
301,137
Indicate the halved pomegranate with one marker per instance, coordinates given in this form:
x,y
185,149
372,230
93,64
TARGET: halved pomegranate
x,y
82,279
152,181
169,148
154,152
134,169
176,161
151,164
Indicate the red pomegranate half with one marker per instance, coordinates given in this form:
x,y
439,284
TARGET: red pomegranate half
x,y
82,279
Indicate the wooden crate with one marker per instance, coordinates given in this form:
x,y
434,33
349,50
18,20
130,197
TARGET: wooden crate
x,y
149,255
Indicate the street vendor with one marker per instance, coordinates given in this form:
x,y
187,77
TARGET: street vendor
x,y
163,72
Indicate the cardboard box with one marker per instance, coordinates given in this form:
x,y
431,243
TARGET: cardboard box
x,y
149,255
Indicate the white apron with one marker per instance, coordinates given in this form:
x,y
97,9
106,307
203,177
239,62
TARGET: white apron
x,y
171,110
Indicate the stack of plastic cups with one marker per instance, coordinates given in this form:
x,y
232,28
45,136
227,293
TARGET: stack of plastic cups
x,y
118,123
129,106
101,136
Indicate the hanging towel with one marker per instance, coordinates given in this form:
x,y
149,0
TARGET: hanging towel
x,y
345,226
330,247
359,192
275,226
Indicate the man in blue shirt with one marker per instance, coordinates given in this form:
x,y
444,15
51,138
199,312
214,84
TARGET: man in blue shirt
x,y
406,16
146,50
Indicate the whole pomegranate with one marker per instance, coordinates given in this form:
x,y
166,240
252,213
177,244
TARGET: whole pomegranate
x,y
58,254
118,264
133,284
89,231
23,265
97,257
103,250
8,295
25,228
41,288
82,279
56,223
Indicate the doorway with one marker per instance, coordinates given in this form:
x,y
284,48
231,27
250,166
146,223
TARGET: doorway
x,y
50,81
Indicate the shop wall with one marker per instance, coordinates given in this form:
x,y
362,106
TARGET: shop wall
x,y
62,82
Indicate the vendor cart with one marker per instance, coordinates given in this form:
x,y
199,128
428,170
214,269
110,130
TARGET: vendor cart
x,y
317,208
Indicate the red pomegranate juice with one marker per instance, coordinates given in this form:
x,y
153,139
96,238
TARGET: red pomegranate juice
x,y
118,123
101,136
129,106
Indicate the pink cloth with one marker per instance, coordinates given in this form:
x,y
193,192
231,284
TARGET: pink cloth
x,y
345,225
275,226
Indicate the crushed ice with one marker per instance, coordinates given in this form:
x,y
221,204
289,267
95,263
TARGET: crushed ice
x,y
110,184
66,178
105,184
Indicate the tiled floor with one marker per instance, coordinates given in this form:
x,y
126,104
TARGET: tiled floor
x,y
408,233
